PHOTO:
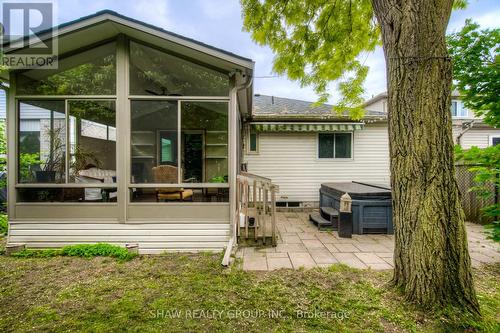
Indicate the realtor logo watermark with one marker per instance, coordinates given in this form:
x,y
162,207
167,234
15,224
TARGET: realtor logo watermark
x,y
28,37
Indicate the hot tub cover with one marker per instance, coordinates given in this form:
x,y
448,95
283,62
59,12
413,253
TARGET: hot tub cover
x,y
358,190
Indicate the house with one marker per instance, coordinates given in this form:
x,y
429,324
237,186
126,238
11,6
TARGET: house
x,y
468,130
300,146
139,136
133,139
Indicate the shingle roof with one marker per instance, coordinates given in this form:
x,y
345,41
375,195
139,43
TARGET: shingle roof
x,y
376,98
281,108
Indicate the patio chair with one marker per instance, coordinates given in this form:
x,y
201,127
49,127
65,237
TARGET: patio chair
x,y
169,174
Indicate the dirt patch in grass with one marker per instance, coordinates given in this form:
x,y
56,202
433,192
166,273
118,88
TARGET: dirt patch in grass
x,y
181,293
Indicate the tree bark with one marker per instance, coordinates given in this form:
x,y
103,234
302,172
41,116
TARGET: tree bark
x,y
432,263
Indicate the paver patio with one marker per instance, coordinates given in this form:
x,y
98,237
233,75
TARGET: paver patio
x,y
300,244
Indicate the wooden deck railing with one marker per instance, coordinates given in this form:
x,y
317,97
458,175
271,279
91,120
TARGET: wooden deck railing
x,y
256,209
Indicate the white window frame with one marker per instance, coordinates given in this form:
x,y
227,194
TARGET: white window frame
x,y
334,142
462,112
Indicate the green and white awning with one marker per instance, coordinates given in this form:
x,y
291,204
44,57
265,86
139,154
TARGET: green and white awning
x,y
305,127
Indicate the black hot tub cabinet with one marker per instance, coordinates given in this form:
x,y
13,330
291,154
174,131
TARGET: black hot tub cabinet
x,y
371,205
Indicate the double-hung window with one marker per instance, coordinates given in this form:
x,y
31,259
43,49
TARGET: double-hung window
x,y
458,110
335,145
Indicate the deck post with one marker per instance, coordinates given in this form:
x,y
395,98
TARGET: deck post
x,y
245,205
273,215
259,209
236,222
254,200
265,213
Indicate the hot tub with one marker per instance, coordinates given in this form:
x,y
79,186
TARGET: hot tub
x,y
371,205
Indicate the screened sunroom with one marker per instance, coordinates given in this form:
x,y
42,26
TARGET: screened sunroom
x,y
134,138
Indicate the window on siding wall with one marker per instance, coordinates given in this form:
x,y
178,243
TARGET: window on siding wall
x,y
253,144
458,109
335,145
495,140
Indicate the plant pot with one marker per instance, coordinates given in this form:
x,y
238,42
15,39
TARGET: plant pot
x,y
45,176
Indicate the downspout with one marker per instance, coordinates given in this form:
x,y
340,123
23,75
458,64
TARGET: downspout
x,y
465,128
234,219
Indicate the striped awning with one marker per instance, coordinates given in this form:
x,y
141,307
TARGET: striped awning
x,y
305,127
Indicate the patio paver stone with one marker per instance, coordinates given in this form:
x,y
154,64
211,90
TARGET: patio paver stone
x,y
300,244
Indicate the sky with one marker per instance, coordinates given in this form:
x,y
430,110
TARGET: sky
x,y
219,23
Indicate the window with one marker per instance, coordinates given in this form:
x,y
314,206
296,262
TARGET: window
x,y
458,110
62,146
204,142
42,142
157,73
335,145
92,72
494,140
253,145
91,147
182,142
154,138
167,154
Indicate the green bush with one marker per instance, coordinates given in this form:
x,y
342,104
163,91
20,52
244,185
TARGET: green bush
x,y
4,225
28,253
485,164
83,250
493,230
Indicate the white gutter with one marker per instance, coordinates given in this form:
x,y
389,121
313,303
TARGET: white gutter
x,y
234,224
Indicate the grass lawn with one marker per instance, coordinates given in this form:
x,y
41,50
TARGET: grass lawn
x,y
146,294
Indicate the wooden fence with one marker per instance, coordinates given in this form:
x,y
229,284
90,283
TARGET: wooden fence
x,y
472,203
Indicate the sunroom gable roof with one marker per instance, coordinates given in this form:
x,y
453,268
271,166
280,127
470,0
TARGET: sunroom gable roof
x,y
107,24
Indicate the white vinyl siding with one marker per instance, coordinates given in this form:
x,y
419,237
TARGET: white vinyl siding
x,y
291,161
205,235
478,137
379,106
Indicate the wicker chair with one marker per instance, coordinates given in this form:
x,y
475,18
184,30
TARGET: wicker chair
x,y
168,174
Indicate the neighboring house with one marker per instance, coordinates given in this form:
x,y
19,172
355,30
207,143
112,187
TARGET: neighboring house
x,y
468,130
300,146
133,139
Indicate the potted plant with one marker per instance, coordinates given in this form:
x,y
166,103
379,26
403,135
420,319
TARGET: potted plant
x,y
55,161
82,158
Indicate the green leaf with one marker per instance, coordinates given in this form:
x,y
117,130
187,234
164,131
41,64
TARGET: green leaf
x,y
317,42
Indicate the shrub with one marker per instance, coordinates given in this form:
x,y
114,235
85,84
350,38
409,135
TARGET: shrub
x,y
83,250
4,225
484,163
95,250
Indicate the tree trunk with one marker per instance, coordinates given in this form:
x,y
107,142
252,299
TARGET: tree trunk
x,y
432,263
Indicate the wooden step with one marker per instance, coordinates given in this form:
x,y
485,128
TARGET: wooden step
x,y
320,222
